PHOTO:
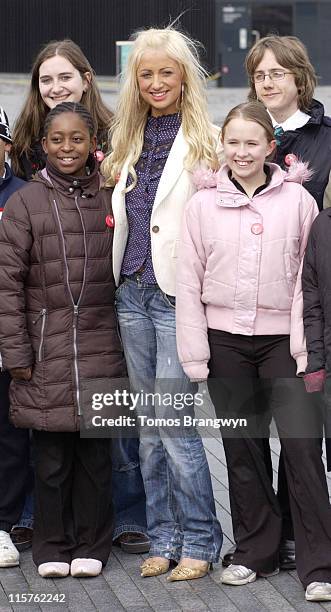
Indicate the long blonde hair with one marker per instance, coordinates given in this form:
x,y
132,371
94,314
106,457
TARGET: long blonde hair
x,y
127,131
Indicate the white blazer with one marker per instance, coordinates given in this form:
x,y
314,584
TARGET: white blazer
x,y
175,188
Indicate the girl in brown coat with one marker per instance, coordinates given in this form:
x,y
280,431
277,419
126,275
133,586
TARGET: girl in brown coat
x,y
57,329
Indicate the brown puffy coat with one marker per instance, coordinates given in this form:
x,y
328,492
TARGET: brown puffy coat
x,y
57,296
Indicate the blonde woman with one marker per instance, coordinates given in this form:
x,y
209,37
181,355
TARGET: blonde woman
x,y
161,133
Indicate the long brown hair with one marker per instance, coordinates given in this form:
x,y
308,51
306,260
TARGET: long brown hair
x,y
290,53
29,124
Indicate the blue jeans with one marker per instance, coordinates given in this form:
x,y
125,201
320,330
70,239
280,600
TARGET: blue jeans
x,y
27,517
128,487
180,507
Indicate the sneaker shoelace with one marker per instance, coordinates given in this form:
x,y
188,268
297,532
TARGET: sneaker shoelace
x,y
240,571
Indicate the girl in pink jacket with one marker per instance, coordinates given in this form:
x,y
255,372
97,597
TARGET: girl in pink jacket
x,y
239,322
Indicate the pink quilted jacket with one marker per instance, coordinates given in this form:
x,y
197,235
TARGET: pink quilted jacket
x,y
239,266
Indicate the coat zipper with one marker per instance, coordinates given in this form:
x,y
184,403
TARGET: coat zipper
x,y
75,321
75,305
42,314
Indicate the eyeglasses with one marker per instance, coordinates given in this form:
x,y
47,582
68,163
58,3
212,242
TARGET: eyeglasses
x,y
274,75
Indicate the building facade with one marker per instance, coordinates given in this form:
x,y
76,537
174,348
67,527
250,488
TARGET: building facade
x,y
226,29
240,23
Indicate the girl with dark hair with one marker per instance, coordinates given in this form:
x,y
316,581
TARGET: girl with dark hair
x,y
57,291
60,73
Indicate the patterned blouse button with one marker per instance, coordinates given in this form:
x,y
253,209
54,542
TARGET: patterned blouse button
x,y
71,189
257,228
155,229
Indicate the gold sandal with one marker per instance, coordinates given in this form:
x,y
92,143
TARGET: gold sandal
x,y
154,567
181,572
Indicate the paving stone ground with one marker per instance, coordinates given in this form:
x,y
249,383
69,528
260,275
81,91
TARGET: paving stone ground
x,y
120,587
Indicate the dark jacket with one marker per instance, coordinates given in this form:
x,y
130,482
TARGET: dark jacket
x,y
34,162
316,286
57,296
8,185
311,143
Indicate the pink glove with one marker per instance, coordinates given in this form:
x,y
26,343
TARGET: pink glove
x,y
315,381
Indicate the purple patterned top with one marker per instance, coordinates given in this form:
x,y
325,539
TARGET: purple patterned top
x,y
160,133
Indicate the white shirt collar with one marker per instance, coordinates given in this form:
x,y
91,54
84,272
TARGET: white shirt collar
x,y
295,121
4,174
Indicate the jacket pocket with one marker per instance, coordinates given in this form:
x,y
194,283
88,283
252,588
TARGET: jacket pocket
x,y
175,247
42,315
290,276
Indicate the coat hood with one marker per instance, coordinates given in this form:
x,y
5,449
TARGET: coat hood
x,y
68,185
317,114
298,172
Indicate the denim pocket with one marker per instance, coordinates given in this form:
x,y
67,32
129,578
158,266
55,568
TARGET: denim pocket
x,y
119,289
169,299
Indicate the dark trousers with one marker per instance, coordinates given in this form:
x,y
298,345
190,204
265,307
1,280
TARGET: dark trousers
x,y
14,462
254,378
73,500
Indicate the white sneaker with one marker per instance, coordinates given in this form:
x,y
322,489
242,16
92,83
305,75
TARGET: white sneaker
x,y
318,591
54,569
237,575
9,555
80,568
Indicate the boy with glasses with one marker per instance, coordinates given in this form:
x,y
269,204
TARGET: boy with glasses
x,y
282,77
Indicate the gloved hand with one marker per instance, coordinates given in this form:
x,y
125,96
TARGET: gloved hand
x,y
315,381
21,373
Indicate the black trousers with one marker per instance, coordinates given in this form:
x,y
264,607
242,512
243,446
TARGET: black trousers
x,y
14,462
254,378
73,499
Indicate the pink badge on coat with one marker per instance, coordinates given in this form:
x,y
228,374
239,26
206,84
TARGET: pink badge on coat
x,y
110,221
